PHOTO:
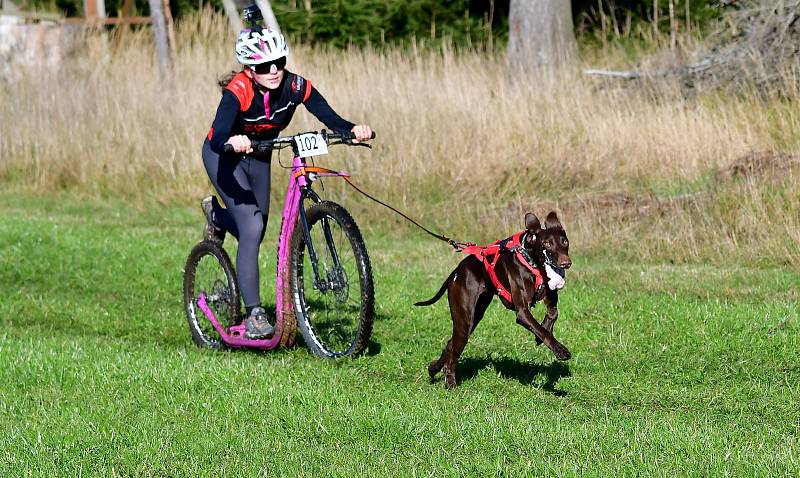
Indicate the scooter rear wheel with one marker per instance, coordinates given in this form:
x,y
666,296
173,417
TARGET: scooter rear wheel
x,y
209,272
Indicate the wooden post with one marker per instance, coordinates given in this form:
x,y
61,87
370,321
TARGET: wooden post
x,y
161,38
170,26
124,27
127,5
90,10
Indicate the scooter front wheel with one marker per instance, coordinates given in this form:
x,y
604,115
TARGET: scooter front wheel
x,y
332,288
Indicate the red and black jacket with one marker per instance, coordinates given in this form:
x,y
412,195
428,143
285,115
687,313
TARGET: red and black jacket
x,y
243,109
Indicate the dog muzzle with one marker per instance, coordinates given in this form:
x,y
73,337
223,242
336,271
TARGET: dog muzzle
x,y
555,277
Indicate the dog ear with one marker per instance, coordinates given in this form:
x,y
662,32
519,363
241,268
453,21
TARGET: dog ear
x,y
532,222
552,222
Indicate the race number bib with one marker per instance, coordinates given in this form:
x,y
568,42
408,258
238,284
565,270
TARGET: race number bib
x,y
311,144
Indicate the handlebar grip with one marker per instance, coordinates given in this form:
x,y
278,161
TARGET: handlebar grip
x,y
353,135
259,146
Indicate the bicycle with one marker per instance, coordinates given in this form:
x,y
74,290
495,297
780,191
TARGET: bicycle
x,y
324,283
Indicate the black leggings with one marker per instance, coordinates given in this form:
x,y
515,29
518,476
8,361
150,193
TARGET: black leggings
x,y
243,185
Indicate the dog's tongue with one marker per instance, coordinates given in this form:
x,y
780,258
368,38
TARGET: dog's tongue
x,y
555,281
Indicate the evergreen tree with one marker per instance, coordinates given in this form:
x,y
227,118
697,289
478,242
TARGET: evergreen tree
x,y
429,22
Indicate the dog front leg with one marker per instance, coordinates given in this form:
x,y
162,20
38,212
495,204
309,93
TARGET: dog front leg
x,y
549,320
525,319
551,302
550,317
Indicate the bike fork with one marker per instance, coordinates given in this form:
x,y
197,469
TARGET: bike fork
x,y
320,283
312,254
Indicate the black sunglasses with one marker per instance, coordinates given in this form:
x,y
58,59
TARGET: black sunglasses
x,y
265,68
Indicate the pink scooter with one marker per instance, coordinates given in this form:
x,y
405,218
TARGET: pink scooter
x,y
324,279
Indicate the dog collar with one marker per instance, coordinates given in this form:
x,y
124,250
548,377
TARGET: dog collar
x,y
555,274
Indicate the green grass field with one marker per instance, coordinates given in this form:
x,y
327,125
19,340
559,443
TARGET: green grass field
x,y
677,369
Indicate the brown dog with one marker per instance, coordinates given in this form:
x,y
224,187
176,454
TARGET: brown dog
x,y
470,290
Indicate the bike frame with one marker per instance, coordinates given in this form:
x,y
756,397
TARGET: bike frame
x,y
298,190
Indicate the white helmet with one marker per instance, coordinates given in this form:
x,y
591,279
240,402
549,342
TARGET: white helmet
x,y
260,46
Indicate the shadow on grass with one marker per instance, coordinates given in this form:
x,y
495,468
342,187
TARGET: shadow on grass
x,y
373,348
524,373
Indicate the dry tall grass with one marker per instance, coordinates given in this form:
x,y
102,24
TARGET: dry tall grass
x,y
459,146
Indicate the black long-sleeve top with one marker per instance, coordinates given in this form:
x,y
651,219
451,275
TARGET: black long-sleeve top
x,y
242,109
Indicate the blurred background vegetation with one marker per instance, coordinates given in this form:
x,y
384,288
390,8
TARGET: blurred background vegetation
x,y
463,22
696,160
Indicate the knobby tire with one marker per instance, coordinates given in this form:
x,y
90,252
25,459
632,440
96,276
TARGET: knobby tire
x,y
310,321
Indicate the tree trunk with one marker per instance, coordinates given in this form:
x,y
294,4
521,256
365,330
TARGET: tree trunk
x,y
268,14
161,37
540,36
307,5
232,11
490,22
673,26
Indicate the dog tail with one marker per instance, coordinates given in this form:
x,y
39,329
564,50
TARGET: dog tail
x,y
440,293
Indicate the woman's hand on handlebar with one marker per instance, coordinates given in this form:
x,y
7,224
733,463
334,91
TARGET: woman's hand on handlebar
x,y
241,144
362,132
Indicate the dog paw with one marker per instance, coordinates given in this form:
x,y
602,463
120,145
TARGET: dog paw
x,y
561,352
450,381
433,369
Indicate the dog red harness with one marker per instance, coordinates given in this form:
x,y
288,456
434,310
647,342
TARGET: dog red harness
x,y
490,254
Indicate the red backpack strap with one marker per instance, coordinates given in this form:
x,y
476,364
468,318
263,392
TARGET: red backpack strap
x,y
242,87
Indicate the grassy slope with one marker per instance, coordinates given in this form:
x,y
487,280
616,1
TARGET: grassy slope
x,y
676,370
